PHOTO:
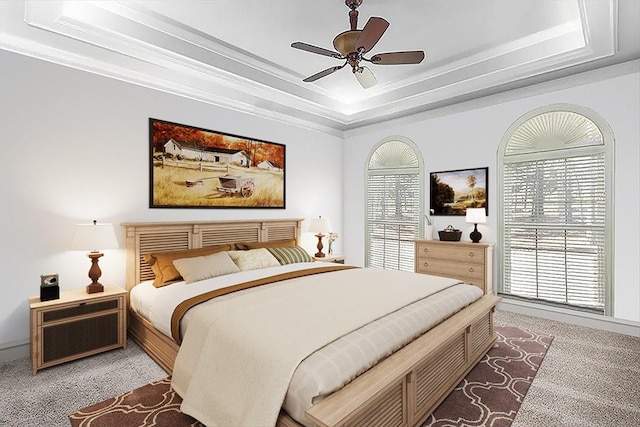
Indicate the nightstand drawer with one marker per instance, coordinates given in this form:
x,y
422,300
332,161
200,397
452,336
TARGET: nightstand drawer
x,y
81,309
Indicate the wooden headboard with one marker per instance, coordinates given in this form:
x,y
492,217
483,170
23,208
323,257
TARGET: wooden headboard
x,y
146,237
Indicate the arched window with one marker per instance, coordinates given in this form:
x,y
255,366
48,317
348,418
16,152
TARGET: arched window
x,y
555,208
395,200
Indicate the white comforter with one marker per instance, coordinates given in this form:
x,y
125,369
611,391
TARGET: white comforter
x,y
334,365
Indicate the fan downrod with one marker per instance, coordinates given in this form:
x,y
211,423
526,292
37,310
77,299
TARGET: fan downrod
x,y
353,13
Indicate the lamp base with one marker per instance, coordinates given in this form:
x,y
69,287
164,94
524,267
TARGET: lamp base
x,y
94,288
320,254
94,273
475,234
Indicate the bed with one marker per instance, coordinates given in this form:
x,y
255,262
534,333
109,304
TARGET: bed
x,y
403,389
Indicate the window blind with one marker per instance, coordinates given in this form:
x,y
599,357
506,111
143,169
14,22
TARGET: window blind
x,y
393,219
554,218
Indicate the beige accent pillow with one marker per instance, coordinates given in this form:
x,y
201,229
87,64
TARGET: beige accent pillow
x,y
162,262
245,246
253,259
205,267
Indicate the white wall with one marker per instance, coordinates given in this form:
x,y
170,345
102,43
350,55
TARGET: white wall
x,y
74,147
467,136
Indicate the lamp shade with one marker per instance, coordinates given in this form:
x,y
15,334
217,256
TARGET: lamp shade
x,y
365,77
319,225
476,216
94,237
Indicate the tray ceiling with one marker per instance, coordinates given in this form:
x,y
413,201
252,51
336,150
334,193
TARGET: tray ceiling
x,y
237,54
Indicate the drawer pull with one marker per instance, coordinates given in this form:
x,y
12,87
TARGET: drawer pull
x,y
425,250
471,270
471,254
426,264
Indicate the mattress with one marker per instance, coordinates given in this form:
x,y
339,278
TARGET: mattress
x,y
335,364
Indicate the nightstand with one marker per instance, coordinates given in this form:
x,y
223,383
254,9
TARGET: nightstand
x,y
76,325
338,259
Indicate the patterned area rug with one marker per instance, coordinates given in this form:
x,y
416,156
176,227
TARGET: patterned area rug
x,y
492,392
490,395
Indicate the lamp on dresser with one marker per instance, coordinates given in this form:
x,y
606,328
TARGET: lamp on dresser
x,y
94,237
319,226
476,216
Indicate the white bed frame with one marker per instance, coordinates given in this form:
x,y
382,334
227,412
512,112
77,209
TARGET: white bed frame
x,y
402,390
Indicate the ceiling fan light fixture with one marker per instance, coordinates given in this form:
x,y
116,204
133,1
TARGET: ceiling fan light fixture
x,y
365,77
345,42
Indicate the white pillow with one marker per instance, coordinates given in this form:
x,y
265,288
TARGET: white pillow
x,y
253,259
205,267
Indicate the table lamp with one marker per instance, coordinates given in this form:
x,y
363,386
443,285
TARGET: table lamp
x,y
476,216
319,226
94,237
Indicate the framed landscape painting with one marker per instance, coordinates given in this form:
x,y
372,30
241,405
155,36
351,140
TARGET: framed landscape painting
x,y
192,167
452,192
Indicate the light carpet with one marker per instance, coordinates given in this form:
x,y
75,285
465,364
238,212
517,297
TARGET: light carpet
x,y
589,378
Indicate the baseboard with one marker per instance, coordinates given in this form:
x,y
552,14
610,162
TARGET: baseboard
x,y
14,351
610,324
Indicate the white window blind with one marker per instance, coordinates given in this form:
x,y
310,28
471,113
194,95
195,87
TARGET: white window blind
x,y
393,218
554,212
554,230
394,205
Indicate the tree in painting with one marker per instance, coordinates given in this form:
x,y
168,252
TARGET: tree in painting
x,y
471,182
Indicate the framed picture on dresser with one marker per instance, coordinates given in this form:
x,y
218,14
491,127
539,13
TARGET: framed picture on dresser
x,y
192,167
452,192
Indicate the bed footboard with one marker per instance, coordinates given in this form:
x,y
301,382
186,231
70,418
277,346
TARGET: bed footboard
x,y
405,388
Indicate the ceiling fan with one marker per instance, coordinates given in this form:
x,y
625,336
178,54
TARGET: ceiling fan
x,y
353,44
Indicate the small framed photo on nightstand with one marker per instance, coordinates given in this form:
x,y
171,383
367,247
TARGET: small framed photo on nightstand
x,y
49,287
49,280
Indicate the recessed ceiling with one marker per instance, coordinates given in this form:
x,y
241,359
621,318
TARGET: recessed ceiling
x,y
237,53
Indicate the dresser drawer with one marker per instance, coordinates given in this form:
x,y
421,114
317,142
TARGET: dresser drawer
x,y
462,271
451,254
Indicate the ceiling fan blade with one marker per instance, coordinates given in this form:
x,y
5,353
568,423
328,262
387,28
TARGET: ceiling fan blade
x,y
371,33
323,73
365,77
316,49
391,58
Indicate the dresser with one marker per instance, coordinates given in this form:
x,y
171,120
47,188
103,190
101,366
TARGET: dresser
x,y
466,261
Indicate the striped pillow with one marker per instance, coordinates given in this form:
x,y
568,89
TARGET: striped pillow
x,y
290,254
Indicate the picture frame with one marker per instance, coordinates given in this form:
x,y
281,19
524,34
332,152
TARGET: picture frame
x,y
453,191
47,280
192,167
